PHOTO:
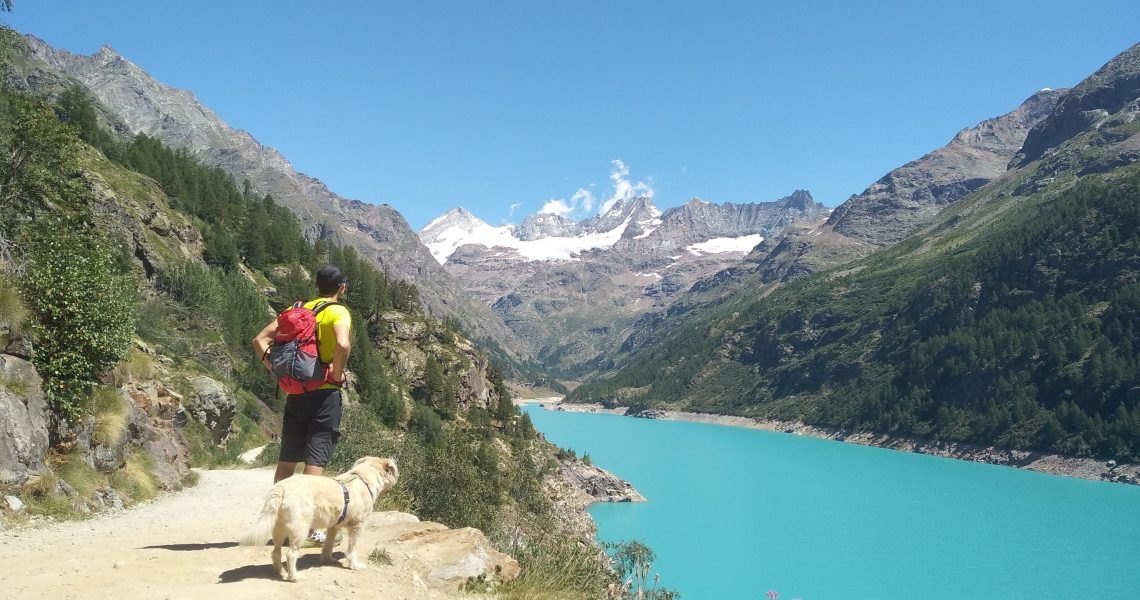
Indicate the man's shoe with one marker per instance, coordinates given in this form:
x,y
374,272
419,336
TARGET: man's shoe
x,y
316,539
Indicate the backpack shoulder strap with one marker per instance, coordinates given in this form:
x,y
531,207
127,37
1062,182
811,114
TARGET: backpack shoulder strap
x,y
323,305
316,311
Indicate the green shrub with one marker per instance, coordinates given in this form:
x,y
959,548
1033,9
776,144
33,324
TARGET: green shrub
x,y
84,310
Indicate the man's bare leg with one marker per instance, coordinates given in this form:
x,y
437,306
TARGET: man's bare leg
x,y
314,470
284,471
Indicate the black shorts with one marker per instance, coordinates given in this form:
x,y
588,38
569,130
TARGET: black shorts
x,y
310,427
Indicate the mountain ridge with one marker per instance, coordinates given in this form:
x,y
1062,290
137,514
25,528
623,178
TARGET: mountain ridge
x,y
146,105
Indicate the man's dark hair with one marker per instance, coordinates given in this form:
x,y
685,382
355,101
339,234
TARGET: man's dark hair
x,y
329,279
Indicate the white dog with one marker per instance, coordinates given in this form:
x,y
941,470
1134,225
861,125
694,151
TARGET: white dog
x,y
301,503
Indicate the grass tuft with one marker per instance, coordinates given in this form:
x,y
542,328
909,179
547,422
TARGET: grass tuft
x,y
12,307
42,497
380,556
136,479
110,417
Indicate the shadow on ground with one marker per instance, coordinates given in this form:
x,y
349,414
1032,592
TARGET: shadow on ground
x,y
190,547
266,571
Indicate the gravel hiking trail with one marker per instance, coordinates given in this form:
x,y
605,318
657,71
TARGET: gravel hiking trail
x,y
183,545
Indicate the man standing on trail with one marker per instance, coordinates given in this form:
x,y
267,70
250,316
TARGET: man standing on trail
x,y
310,426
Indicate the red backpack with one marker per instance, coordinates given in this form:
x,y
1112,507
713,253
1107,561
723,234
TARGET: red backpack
x,y
295,354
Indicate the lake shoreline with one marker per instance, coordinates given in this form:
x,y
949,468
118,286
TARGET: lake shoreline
x,y
1054,464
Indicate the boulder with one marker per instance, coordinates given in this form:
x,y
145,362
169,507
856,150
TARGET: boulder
x,y
212,405
445,558
14,503
24,421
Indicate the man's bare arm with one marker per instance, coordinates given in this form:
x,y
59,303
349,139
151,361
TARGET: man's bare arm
x,y
263,340
340,354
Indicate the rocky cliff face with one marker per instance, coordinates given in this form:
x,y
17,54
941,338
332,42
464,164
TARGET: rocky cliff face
x,y
407,342
23,422
894,206
144,105
571,289
1112,89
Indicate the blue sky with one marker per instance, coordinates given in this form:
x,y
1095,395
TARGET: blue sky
x,y
489,105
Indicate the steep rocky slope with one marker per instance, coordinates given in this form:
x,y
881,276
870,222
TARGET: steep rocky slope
x,y
913,194
137,103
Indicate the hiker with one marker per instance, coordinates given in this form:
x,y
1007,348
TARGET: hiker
x,y
310,425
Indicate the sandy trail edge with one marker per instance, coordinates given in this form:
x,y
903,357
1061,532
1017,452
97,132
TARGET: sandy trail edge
x,y
183,546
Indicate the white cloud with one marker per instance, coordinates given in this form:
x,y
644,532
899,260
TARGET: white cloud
x,y
557,206
623,188
512,209
583,202
585,197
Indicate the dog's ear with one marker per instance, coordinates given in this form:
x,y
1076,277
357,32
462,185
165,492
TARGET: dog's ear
x,y
390,466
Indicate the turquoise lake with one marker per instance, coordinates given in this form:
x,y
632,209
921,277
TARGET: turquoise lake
x,y
734,513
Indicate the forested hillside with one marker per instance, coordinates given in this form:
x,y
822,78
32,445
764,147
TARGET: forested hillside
x,y
1010,321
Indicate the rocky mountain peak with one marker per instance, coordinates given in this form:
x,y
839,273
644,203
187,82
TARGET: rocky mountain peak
x,y
546,225
632,210
1110,90
799,200
458,218
106,51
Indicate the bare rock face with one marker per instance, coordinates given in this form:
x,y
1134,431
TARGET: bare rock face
x,y
153,426
23,422
1109,91
894,206
213,405
445,558
407,342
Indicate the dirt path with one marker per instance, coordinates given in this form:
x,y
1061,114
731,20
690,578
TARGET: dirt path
x,y
183,546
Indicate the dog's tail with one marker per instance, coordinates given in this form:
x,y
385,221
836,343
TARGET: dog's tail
x,y
263,529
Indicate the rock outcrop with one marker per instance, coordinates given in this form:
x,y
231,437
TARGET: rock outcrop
x,y
446,558
154,413
407,341
213,405
23,422
597,483
1110,90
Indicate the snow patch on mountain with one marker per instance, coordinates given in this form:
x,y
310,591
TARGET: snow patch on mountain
x,y
444,242
744,243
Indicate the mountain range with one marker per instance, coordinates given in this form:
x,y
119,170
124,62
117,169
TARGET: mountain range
x,y
572,288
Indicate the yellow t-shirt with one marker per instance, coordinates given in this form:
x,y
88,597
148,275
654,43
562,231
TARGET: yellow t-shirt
x,y
331,315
